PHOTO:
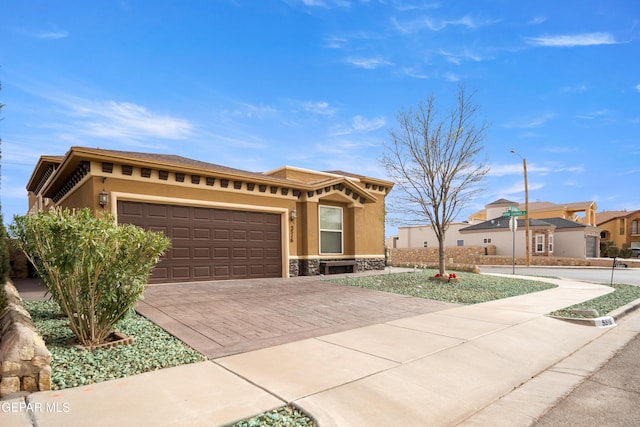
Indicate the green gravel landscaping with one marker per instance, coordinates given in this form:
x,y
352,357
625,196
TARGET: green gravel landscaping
x,y
153,349
472,288
623,295
286,416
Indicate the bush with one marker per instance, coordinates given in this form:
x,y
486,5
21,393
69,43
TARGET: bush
x,y
95,269
613,251
625,253
5,263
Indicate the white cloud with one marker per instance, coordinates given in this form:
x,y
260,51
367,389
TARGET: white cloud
x,y
516,169
593,115
462,56
538,20
451,77
360,124
571,40
126,120
638,87
252,111
318,107
368,63
530,122
575,89
419,24
335,42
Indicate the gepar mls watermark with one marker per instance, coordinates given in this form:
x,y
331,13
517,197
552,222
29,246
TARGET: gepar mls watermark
x,y
35,407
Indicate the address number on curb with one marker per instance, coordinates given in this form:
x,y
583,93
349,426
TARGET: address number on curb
x,y
605,322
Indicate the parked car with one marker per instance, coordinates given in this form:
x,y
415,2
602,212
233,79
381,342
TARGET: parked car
x,y
635,252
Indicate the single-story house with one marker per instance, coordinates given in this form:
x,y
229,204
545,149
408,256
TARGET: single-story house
x,y
224,223
551,236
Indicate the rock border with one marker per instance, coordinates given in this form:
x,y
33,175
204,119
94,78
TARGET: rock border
x,y
25,361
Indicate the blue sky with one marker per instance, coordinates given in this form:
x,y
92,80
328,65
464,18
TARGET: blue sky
x,y
318,83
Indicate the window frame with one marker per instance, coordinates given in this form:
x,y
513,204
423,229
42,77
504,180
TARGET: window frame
x,y
539,240
322,230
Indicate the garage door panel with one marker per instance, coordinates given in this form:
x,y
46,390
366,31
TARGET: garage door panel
x,y
201,214
210,244
202,272
239,271
156,211
221,234
221,271
181,233
239,253
239,235
201,253
221,253
180,253
201,234
257,253
179,212
134,210
272,236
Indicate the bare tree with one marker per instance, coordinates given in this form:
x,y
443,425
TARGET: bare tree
x,y
434,160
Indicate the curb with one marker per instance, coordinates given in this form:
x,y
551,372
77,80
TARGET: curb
x,y
615,314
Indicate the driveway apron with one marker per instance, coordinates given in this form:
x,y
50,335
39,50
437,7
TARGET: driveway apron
x,y
221,318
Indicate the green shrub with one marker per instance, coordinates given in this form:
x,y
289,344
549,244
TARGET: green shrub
x,y
95,269
5,260
625,253
613,251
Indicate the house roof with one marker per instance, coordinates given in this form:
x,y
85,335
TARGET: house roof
x,y
606,216
67,164
502,201
503,223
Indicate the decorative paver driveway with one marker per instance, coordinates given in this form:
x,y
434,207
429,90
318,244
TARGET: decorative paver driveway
x,y
227,317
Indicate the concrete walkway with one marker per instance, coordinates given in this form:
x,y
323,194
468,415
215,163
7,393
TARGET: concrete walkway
x,y
473,365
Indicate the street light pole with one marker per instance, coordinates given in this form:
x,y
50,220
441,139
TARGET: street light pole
x,y
526,208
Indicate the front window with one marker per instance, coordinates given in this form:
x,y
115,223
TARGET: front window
x,y
550,244
634,226
539,243
330,230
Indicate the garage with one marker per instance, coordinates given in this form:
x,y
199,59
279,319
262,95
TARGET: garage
x,y
210,243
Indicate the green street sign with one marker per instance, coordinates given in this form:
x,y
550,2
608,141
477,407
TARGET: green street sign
x,y
514,212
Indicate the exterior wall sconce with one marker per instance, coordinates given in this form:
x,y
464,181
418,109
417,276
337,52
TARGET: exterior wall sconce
x,y
103,199
292,215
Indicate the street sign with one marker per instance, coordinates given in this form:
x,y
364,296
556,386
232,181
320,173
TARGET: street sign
x,y
514,212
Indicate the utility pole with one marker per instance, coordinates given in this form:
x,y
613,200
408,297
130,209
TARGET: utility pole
x,y
526,208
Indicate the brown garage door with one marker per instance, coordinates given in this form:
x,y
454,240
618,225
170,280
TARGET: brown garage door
x,y
210,244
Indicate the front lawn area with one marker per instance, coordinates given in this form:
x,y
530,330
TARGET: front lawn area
x,y
623,295
471,289
71,366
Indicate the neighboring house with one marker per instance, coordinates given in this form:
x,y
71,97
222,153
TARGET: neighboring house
x,y
553,236
620,227
582,212
224,223
423,236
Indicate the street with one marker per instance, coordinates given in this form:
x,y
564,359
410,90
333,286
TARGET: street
x,y
603,275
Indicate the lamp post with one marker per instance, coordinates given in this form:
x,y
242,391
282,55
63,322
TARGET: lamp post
x,y
526,208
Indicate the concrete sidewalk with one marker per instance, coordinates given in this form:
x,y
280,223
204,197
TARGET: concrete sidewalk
x,y
473,365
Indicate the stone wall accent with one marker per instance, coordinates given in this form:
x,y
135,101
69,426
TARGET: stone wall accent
x,y
458,257
309,267
25,362
366,264
294,268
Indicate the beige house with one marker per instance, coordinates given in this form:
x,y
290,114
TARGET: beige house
x,y
621,227
224,223
551,236
582,212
